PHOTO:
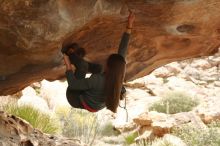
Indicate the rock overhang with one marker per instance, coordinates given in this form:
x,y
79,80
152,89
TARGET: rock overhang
x,y
32,33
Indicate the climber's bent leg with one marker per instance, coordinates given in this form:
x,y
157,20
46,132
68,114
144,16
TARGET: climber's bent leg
x,y
73,98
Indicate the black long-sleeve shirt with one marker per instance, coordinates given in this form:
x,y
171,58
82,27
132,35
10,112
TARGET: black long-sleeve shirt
x,y
93,87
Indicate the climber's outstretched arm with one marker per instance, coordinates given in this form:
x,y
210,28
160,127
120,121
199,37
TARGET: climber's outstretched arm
x,y
126,35
67,62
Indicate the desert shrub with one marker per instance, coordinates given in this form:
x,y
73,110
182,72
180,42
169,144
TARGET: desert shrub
x,y
108,130
165,80
194,136
129,139
37,90
191,136
174,102
155,142
161,142
80,124
36,118
215,124
112,140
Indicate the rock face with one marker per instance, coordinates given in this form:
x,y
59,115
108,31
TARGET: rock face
x,y
153,124
33,31
14,132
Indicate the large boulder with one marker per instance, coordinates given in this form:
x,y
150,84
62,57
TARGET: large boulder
x,y
15,131
158,124
209,110
33,31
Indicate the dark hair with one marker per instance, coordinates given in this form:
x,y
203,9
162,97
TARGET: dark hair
x,y
73,45
78,50
66,48
81,52
114,77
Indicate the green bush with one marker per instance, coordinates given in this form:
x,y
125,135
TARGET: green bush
x,y
129,139
215,124
108,130
194,136
155,142
36,118
80,124
191,135
174,102
165,80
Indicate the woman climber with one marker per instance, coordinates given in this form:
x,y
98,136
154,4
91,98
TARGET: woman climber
x,y
101,89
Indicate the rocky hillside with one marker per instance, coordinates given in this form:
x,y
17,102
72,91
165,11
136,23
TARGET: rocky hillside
x,y
198,78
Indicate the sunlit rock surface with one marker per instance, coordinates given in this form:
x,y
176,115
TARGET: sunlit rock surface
x,y
15,131
32,33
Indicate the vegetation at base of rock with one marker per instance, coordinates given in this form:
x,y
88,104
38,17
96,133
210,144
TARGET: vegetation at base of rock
x,y
174,102
36,118
194,136
214,124
155,142
160,142
129,139
108,130
80,124
165,80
